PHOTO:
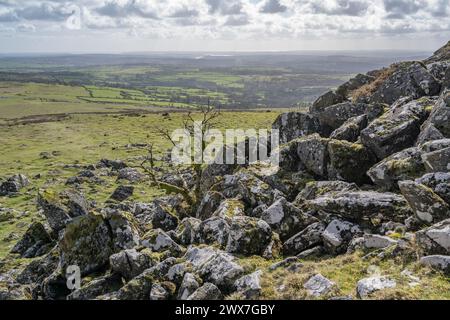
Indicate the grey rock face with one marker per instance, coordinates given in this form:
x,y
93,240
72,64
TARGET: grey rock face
x,y
369,285
60,209
376,241
344,157
130,263
187,231
437,261
293,125
336,115
397,129
440,114
34,243
327,99
159,241
427,205
351,129
214,266
163,218
364,204
249,285
409,79
214,230
206,292
435,240
248,235
188,286
122,193
305,239
14,184
286,219
437,161
439,182
313,153
338,234
404,165
97,287
318,285
315,189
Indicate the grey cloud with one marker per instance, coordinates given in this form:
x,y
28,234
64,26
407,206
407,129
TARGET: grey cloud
x,y
344,7
44,12
185,13
225,7
9,17
239,20
273,6
398,9
115,9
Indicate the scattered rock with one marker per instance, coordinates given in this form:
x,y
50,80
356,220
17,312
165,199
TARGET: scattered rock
x,y
13,184
293,125
122,193
369,285
206,292
249,285
248,235
305,239
435,240
130,263
34,243
338,234
318,286
427,205
375,241
437,261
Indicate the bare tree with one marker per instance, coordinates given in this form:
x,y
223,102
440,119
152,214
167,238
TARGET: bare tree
x,y
192,124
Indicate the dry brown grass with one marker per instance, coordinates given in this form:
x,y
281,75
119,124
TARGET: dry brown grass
x,y
370,88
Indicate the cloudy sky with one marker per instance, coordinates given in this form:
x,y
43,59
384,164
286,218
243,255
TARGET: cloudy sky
x,y
221,25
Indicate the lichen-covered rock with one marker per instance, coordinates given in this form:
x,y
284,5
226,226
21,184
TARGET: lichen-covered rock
x,y
315,189
230,208
214,230
351,129
404,165
159,241
293,125
428,132
440,114
364,204
34,243
435,145
438,262
206,292
130,174
248,235
435,239
125,229
397,129
439,182
325,100
130,263
246,187
286,219
13,184
437,161
344,157
122,193
164,218
408,79
313,153
187,231
376,241
188,286
87,243
305,239
214,266
162,291
336,115
318,285
249,285
209,204
338,234
97,287
61,208
427,205
39,269
376,283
